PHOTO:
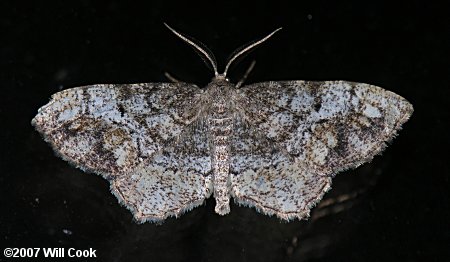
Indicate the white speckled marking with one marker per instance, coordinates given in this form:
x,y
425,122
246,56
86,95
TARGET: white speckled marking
x,y
371,111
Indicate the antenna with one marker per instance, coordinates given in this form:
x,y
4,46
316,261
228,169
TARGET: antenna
x,y
247,48
208,54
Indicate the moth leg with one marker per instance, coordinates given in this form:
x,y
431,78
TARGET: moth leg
x,y
171,78
244,77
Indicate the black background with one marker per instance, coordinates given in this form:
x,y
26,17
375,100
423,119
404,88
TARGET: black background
x,y
394,208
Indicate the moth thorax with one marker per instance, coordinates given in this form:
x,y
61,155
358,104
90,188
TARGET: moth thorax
x,y
219,97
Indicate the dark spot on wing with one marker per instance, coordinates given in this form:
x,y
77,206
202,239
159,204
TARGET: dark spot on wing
x,y
341,148
317,106
121,110
321,121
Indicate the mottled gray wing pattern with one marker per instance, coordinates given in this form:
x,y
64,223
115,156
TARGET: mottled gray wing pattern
x,y
316,129
266,176
110,129
125,132
177,179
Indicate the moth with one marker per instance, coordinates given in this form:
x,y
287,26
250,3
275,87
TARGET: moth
x,y
275,146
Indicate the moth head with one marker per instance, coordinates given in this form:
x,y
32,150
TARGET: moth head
x,y
208,57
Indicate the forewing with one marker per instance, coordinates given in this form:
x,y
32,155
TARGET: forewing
x,y
111,129
321,128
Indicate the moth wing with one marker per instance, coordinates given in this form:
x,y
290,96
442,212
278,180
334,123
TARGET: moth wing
x,y
145,138
319,129
173,181
264,176
111,129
